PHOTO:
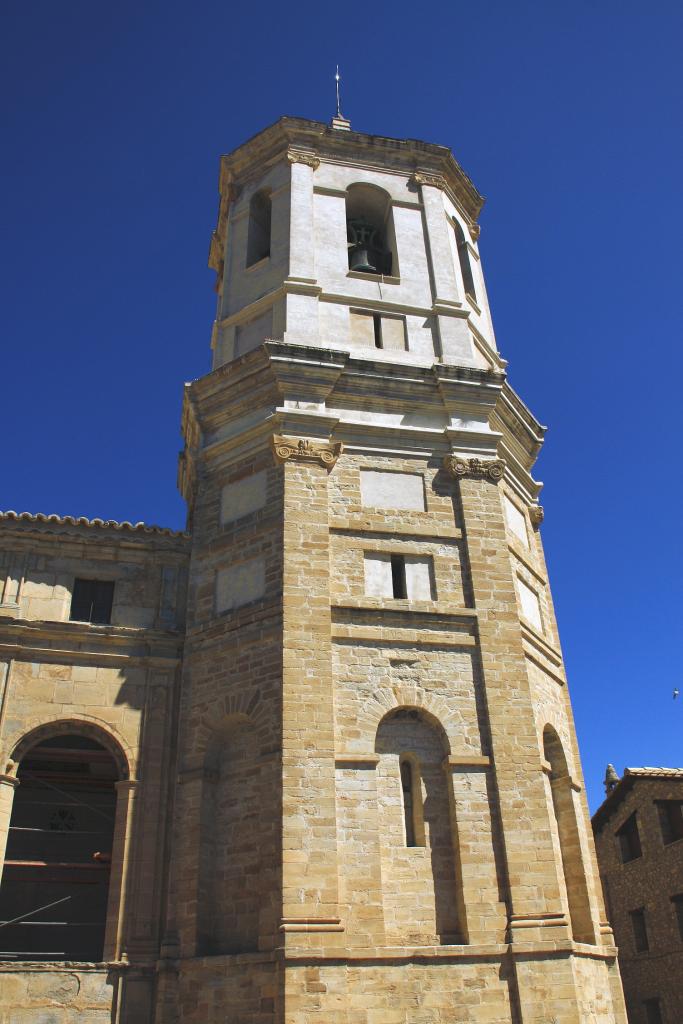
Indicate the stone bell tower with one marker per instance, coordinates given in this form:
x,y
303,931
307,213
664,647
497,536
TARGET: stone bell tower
x,y
380,813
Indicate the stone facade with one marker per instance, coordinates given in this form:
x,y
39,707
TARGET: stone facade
x,y
348,787
643,878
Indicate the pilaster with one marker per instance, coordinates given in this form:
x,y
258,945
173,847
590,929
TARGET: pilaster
x,y
536,913
310,874
456,345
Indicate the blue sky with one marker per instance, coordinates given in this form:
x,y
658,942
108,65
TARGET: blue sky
x,y
567,117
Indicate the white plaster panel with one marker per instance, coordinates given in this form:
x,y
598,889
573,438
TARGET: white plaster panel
x,y
240,584
380,489
243,496
393,333
251,334
362,329
531,608
419,573
378,579
516,521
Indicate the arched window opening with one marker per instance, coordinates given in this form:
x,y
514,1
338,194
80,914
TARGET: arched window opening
x,y
413,809
55,883
464,259
417,832
258,236
233,838
574,875
370,231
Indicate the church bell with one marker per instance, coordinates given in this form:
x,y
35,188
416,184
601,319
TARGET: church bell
x,y
365,249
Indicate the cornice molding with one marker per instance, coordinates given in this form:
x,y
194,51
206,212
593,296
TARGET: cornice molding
x,y
285,448
492,469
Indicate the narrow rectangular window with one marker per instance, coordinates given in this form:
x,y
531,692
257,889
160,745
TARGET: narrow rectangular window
x,y
377,326
408,803
92,601
629,840
670,820
677,904
398,576
653,1011
640,940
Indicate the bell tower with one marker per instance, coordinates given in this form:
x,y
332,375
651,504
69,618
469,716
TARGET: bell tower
x,y
380,812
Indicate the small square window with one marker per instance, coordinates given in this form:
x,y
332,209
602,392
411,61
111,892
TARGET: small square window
x,y
640,939
629,840
92,601
670,820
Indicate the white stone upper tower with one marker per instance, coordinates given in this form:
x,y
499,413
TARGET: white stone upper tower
x,y
291,200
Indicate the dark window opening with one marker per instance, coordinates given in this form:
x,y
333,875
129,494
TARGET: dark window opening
x,y
677,903
258,234
629,840
653,1011
377,324
370,236
670,820
92,601
55,884
640,940
464,259
408,802
398,576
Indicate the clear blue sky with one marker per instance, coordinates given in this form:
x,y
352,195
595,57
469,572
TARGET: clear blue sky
x,y
567,117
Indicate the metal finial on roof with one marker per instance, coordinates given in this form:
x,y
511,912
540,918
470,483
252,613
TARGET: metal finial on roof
x,y
339,121
336,79
611,779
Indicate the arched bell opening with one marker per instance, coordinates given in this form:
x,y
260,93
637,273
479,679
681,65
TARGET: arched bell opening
x,y
234,831
259,229
55,882
370,231
464,261
568,838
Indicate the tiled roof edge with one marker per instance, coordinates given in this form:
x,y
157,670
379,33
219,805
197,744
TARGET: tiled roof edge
x,y
624,785
110,524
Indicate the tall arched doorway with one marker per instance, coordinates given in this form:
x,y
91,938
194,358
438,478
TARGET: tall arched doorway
x,y
55,883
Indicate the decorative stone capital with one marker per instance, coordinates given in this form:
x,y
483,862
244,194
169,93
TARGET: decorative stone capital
x,y
458,467
424,178
303,158
475,231
301,448
536,514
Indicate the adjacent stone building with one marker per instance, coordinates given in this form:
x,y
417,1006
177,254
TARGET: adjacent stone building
x,y
639,841
313,760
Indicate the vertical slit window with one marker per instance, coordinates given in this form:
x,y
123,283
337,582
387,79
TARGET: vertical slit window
x,y
398,576
408,802
377,324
